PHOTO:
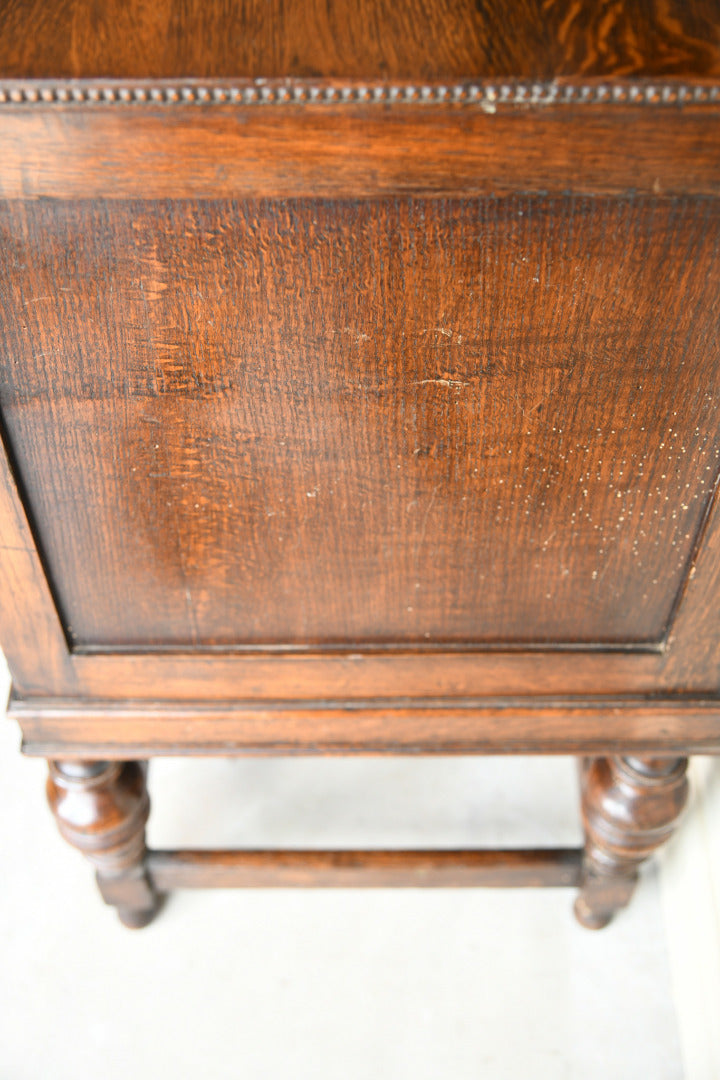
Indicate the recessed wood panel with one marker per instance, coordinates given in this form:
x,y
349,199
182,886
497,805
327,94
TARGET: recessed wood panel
x,y
373,423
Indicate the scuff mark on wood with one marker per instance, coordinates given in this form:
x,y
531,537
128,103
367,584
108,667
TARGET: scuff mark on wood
x,y
441,382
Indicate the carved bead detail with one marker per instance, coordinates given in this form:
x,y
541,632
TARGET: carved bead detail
x,y
486,95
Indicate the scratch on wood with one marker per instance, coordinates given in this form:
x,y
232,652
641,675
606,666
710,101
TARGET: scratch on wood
x,y
441,382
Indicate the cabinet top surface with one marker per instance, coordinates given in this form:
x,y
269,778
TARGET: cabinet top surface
x,y
371,39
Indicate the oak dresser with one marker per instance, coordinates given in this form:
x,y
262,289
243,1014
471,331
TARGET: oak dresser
x,y
359,372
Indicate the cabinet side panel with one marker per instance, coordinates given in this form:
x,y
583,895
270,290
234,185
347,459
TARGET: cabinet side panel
x,y
378,423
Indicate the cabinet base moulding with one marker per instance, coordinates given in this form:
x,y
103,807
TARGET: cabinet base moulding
x,y
64,728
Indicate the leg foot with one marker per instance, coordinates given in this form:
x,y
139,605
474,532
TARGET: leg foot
x,y
630,807
101,808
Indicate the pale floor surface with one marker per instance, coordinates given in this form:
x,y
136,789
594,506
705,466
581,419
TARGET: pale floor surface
x,y
266,985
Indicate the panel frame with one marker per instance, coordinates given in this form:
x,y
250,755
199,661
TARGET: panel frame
x,y
294,138
87,140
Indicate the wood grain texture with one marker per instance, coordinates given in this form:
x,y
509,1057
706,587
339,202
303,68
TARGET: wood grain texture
x,y
693,643
383,38
364,869
356,151
358,390
342,675
268,423
529,726
34,641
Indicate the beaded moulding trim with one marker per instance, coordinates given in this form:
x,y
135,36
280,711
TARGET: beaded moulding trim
x,y
484,94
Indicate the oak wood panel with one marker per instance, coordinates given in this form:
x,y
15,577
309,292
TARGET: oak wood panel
x,y
101,809
693,643
216,151
218,677
34,642
274,422
653,725
363,869
387,38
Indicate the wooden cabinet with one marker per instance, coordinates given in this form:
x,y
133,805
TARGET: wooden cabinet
x,y
359,370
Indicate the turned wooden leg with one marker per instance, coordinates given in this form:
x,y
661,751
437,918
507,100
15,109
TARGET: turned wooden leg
x,y
101,808
630,807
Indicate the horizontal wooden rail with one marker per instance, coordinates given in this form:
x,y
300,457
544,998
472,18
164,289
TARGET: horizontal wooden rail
x,y
127,731
361,869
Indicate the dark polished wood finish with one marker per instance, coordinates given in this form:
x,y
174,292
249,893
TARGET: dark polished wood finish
x,y
630,807
364,869
353,448
101,808
358,393
358,150
388,39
